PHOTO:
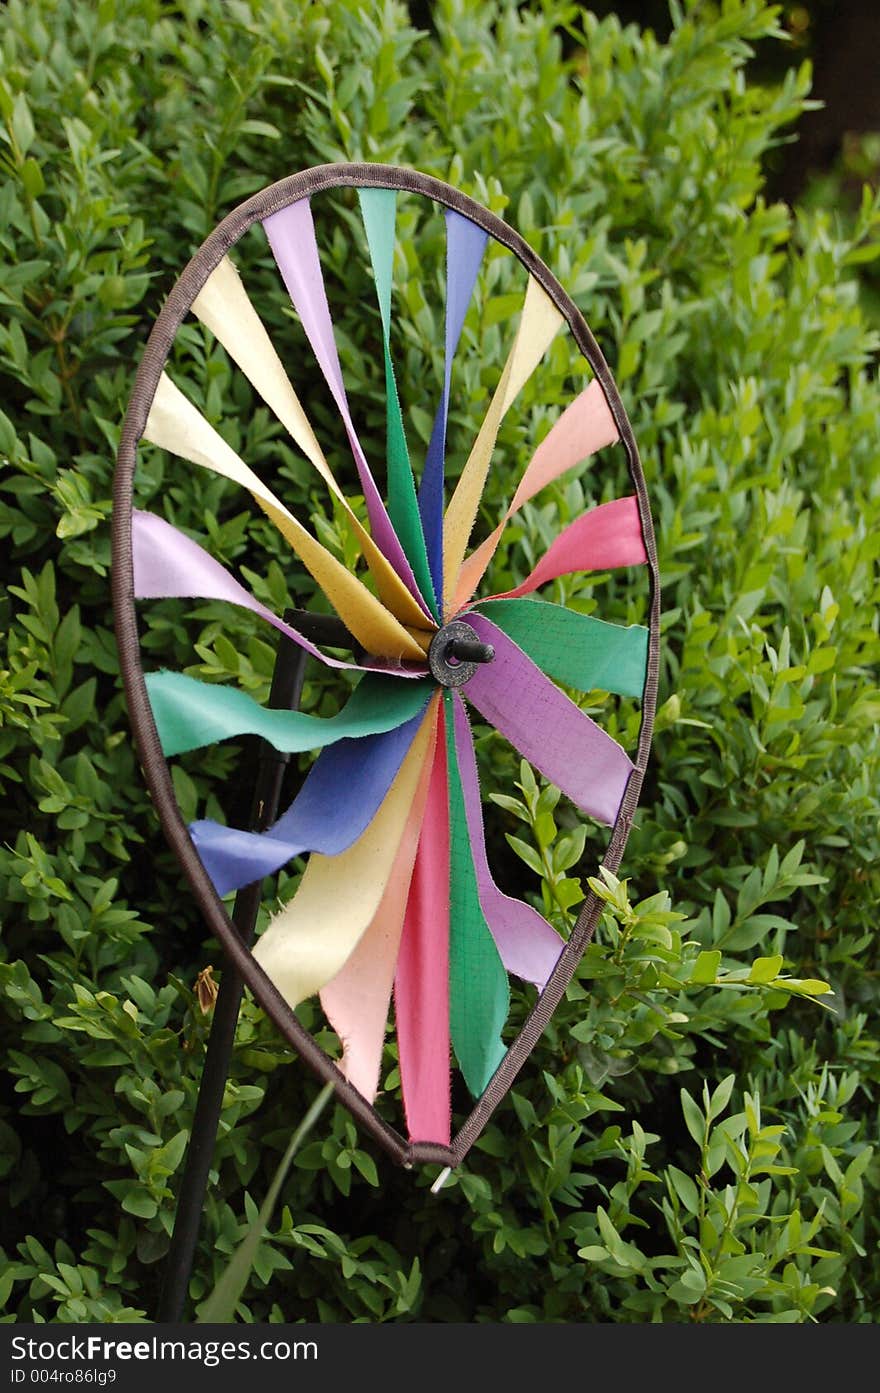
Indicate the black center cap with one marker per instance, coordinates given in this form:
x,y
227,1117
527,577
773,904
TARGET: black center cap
x,y
455,653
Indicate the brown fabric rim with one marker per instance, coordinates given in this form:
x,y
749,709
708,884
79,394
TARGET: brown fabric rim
x,y
155,767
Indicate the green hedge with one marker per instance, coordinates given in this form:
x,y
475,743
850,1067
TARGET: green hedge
x,y
692,1138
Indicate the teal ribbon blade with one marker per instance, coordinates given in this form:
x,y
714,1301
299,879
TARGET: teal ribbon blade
x,y
479,994
190,714
576,649
379,209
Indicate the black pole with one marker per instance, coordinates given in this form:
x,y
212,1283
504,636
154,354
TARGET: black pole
x,y
287,681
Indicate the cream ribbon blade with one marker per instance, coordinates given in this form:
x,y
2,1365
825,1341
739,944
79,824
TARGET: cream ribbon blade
x,y
538,324
176,425
313,937
224,306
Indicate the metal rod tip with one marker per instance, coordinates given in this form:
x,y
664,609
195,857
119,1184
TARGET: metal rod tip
x,y
441,1180
468,650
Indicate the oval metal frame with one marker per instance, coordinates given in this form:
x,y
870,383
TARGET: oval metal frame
x,y
155,767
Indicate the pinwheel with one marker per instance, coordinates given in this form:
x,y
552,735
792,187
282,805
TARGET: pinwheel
x,y
396,925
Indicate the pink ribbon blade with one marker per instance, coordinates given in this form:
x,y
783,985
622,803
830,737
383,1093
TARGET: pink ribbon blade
x,y
607,536
357,1000
529,947
421,984
547,728
291,234
170,565
584,427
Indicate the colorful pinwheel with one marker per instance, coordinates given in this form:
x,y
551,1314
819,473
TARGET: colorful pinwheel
x,y
397,911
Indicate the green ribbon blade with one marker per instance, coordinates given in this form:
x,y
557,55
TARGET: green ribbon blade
x,y
479,994
379,210
576,649
190,714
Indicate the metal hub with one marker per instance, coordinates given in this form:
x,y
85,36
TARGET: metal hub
x,y
455,652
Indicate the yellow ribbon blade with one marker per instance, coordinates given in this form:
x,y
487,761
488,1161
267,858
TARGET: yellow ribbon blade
x,y
224,307
175,424
313,937
539,322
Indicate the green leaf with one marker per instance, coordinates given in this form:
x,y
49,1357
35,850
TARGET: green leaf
x,y
32,178
803,986
705,969
720,915
693,1118
22,124
528,782
264,128
685,1188
79,705
8,437
140,1202
765,969
367,1167
721,1096
526,853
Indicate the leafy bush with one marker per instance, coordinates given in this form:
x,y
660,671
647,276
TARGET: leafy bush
x,y
692,1138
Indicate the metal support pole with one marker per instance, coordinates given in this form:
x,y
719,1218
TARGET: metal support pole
x,y
285,694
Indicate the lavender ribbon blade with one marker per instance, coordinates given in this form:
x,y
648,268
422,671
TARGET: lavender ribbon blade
x,y
529,947
547,728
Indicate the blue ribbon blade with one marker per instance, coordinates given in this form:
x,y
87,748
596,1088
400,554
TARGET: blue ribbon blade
x,y
337,802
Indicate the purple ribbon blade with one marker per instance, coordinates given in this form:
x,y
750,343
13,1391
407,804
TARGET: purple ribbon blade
x,y
528,946
465,244
291,234
340,797
547,728
170,565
